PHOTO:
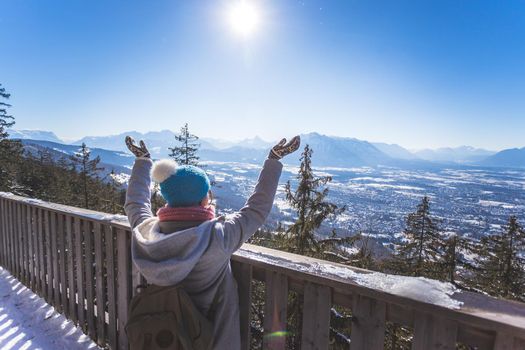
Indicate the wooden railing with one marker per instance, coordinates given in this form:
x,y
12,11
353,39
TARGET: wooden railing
x,y
79,261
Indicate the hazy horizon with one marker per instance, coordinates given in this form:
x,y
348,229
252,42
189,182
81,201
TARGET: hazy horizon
x,y
251,137
418,74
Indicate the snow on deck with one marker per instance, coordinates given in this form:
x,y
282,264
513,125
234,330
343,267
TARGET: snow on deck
x,y
28,322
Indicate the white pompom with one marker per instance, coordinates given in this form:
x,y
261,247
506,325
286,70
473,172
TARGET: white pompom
x,y
163,169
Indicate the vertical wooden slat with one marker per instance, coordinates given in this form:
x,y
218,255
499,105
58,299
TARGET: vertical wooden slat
x,y
27,228
243,275
80,276
433,332
316,317
31,235
111,286
505,341
49,262
61,242
276,302
36,268
6,236
13,238
16,250
368,323
10,235
73,312
30,249
4,231
2,251
21,242
123,290
56,276
90,277
41,254
100,282
16,240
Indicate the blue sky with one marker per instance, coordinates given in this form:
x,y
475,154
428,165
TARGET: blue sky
x,y
417,73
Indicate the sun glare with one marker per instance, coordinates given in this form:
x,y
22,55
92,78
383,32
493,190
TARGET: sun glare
x,y
244,18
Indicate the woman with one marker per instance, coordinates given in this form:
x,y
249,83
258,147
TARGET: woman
x,y
186,245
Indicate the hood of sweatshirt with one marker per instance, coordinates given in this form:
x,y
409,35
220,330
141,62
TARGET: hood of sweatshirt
x,y
167,259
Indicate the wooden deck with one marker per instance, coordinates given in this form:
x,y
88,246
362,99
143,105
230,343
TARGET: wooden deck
x,y
79,261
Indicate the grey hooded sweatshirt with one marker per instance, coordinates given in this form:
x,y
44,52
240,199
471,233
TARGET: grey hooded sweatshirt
x,y
198,258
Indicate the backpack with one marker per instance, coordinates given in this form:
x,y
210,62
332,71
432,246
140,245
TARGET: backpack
x,y
165,318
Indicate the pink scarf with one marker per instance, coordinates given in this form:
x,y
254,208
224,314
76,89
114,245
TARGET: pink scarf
x,y
197,213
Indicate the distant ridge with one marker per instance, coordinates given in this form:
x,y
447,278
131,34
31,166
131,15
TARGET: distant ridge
x,y
462,154
34,135
329,151
394,151
514,158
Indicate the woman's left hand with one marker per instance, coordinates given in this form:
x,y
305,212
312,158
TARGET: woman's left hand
x,y
139,152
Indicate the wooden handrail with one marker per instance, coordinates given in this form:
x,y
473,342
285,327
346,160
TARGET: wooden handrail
x,y
79,261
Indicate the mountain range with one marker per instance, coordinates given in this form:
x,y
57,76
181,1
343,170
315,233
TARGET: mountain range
x,y
329,151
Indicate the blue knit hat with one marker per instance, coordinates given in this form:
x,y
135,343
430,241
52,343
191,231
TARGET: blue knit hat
x,y
181,186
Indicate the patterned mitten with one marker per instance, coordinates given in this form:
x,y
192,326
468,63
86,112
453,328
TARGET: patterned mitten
x,y
139,152
283,149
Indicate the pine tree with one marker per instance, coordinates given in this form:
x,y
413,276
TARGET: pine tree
x,y
501,263
419,253
455,267
309,200
312,209
186,152
88,169
10,151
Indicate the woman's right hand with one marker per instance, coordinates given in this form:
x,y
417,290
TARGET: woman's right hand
x,y
139,152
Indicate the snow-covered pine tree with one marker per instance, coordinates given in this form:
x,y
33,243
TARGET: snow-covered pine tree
x,y
501,263
186,151
419,253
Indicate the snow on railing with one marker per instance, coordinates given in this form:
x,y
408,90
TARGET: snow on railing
x,y
79,261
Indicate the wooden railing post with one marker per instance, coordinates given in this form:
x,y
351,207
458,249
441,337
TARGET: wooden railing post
x,y
80,275
48,254
90,279
62,280
100,280
316,317
433,332
124,284
3,232
73,312
368,323
110,239
243,276
276,302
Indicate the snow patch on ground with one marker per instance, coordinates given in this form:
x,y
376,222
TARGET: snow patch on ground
x,y
28,322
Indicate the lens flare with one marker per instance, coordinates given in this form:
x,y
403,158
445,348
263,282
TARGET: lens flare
x,y
277,334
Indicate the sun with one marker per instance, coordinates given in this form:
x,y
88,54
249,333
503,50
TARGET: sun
x,y
244,18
